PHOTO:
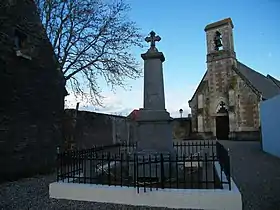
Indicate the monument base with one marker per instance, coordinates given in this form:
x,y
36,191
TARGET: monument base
x,y
154,157
154,131
152,167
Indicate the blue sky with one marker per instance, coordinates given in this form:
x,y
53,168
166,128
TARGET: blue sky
x,y
180,23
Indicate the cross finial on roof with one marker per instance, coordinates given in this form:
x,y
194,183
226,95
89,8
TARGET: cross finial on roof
x,y
153,39
222,104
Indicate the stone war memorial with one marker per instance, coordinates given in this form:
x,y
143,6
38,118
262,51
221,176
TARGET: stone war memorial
x,y
154,135
152,170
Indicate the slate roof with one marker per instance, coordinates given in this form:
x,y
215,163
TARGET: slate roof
x,y
277,82
266,85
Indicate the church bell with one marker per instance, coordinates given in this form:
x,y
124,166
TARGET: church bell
x,y
218,40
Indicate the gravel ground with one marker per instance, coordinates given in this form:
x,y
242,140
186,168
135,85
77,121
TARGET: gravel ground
x,y
257,175
33,193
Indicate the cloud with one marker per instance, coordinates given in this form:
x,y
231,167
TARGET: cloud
x,y
123,102
111,104
178,99
71,101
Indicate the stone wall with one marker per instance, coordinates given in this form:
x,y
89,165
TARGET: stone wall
x,y
181,128
248,107
246,111
94,129
193,107
32,95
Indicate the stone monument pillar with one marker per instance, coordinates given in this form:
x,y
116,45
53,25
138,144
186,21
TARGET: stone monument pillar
x,y
154,131
154,128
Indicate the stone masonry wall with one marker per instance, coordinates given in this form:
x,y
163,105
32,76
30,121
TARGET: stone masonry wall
x,y
32,95
181,128
94,129
248,112
193,106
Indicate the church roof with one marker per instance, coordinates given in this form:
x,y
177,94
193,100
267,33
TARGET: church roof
x,y
277,82
268,86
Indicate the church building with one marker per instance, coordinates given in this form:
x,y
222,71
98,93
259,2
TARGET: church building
x,y
226,103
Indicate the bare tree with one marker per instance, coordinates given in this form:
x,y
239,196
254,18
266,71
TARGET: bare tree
x,y
92,39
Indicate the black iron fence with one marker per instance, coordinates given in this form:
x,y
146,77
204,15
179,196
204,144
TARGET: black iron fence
x,y
195,147
192,166
224,160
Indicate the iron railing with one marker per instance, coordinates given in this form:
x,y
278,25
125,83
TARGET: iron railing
x,y
191,166
224,161
195,147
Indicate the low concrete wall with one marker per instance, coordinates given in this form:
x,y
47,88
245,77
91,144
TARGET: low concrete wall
x,y
170,198
217,199
245,136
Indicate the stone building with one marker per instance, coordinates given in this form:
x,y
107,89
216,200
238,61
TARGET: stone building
x,y
226,103
132,125
32,90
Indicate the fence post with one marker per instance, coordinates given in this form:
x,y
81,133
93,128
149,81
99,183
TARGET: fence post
x,y
109,168
229,169
144,172
206,169
162,171
57,163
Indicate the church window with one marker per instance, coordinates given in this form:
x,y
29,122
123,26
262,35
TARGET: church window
x,y
199,123
200,101
231,97
21,45
20,39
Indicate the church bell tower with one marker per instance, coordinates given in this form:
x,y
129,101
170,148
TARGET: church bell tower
x,y
219,38
220,58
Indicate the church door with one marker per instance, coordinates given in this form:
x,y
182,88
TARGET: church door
x,y
222,127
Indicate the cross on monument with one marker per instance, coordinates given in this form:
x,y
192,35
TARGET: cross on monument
x,y
153,39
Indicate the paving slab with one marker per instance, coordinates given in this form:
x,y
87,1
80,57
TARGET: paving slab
x,y
257,175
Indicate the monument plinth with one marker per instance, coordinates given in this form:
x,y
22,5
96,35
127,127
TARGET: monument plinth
x,y
154,131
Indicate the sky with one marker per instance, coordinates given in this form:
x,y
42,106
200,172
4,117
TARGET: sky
x,y
180,24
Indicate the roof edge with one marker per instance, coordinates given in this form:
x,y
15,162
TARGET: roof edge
x,y
246,80
218,24
274,80
198,86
